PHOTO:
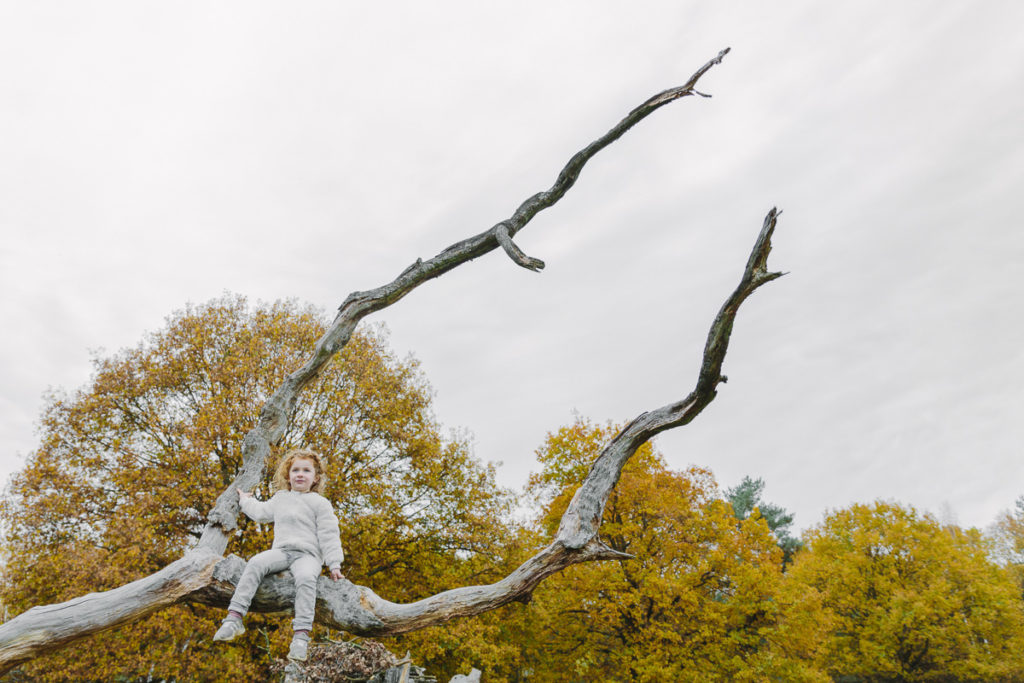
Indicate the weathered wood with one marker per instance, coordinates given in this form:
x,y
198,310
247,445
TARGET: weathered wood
x,y
278,409
50,627
359,610
203,575
397,674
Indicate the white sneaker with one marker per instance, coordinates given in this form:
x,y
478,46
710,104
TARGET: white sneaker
x,y
229,630
297,652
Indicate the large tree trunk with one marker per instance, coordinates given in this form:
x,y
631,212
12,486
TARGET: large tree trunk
x,y
204,575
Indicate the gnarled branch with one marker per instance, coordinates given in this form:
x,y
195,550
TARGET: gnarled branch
x,y
502,234
51,627
278,409
359,610
203,576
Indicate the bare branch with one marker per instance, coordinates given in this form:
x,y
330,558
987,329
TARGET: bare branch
x,y
359,610
50,627
501,232
583,516
278,409
202,575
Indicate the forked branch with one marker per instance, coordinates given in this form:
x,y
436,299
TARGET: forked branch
x,y
359,610
202,576
278,410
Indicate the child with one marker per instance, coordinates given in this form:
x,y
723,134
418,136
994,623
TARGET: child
x,y
306,537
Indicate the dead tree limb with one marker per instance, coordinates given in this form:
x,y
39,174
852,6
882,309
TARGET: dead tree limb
x,y
203,575
359,610
51,627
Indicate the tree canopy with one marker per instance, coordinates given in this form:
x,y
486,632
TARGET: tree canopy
x,y
906,599
745,499
129,466
701,598
1008,535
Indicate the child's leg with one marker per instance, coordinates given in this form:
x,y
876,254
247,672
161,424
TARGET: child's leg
x,y
259,566
306,570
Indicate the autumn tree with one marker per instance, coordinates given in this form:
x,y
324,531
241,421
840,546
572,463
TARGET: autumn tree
x,y
907,599
129,466
204,575
1008,537
695,597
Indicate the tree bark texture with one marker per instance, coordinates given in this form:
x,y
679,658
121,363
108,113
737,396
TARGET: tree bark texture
x,y
204,575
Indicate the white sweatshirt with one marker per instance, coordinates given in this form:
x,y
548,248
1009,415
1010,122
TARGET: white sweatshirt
x,y
302,521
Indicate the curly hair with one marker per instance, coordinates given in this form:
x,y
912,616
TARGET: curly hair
x,y
281,482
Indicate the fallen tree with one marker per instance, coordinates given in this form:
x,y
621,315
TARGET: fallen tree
x,y
205,575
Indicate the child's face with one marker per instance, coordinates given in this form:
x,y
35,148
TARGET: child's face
x,y
302,475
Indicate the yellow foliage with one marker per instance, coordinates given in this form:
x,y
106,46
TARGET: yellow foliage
x,y
701,600
906,599
129,465
1008,535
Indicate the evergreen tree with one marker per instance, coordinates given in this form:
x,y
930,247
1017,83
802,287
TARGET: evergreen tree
x,y
746,501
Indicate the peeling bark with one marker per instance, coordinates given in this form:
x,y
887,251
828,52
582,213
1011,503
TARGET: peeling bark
x,y
203,575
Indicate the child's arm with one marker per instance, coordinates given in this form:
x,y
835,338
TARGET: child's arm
x,y
255,510
329,536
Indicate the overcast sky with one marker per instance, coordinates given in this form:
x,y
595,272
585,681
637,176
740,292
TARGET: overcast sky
x,y
154,154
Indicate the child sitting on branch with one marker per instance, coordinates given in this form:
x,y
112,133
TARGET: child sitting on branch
x,y
306,538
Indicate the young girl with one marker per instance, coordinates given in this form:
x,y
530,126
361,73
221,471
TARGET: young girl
x,y
306,537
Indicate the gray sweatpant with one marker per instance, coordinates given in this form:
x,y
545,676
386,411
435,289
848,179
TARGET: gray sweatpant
x,y
305,568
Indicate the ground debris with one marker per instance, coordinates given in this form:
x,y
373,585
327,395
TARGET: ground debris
x,y
353,661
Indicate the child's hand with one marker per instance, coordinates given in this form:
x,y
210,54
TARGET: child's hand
x,y
336,574
243,494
